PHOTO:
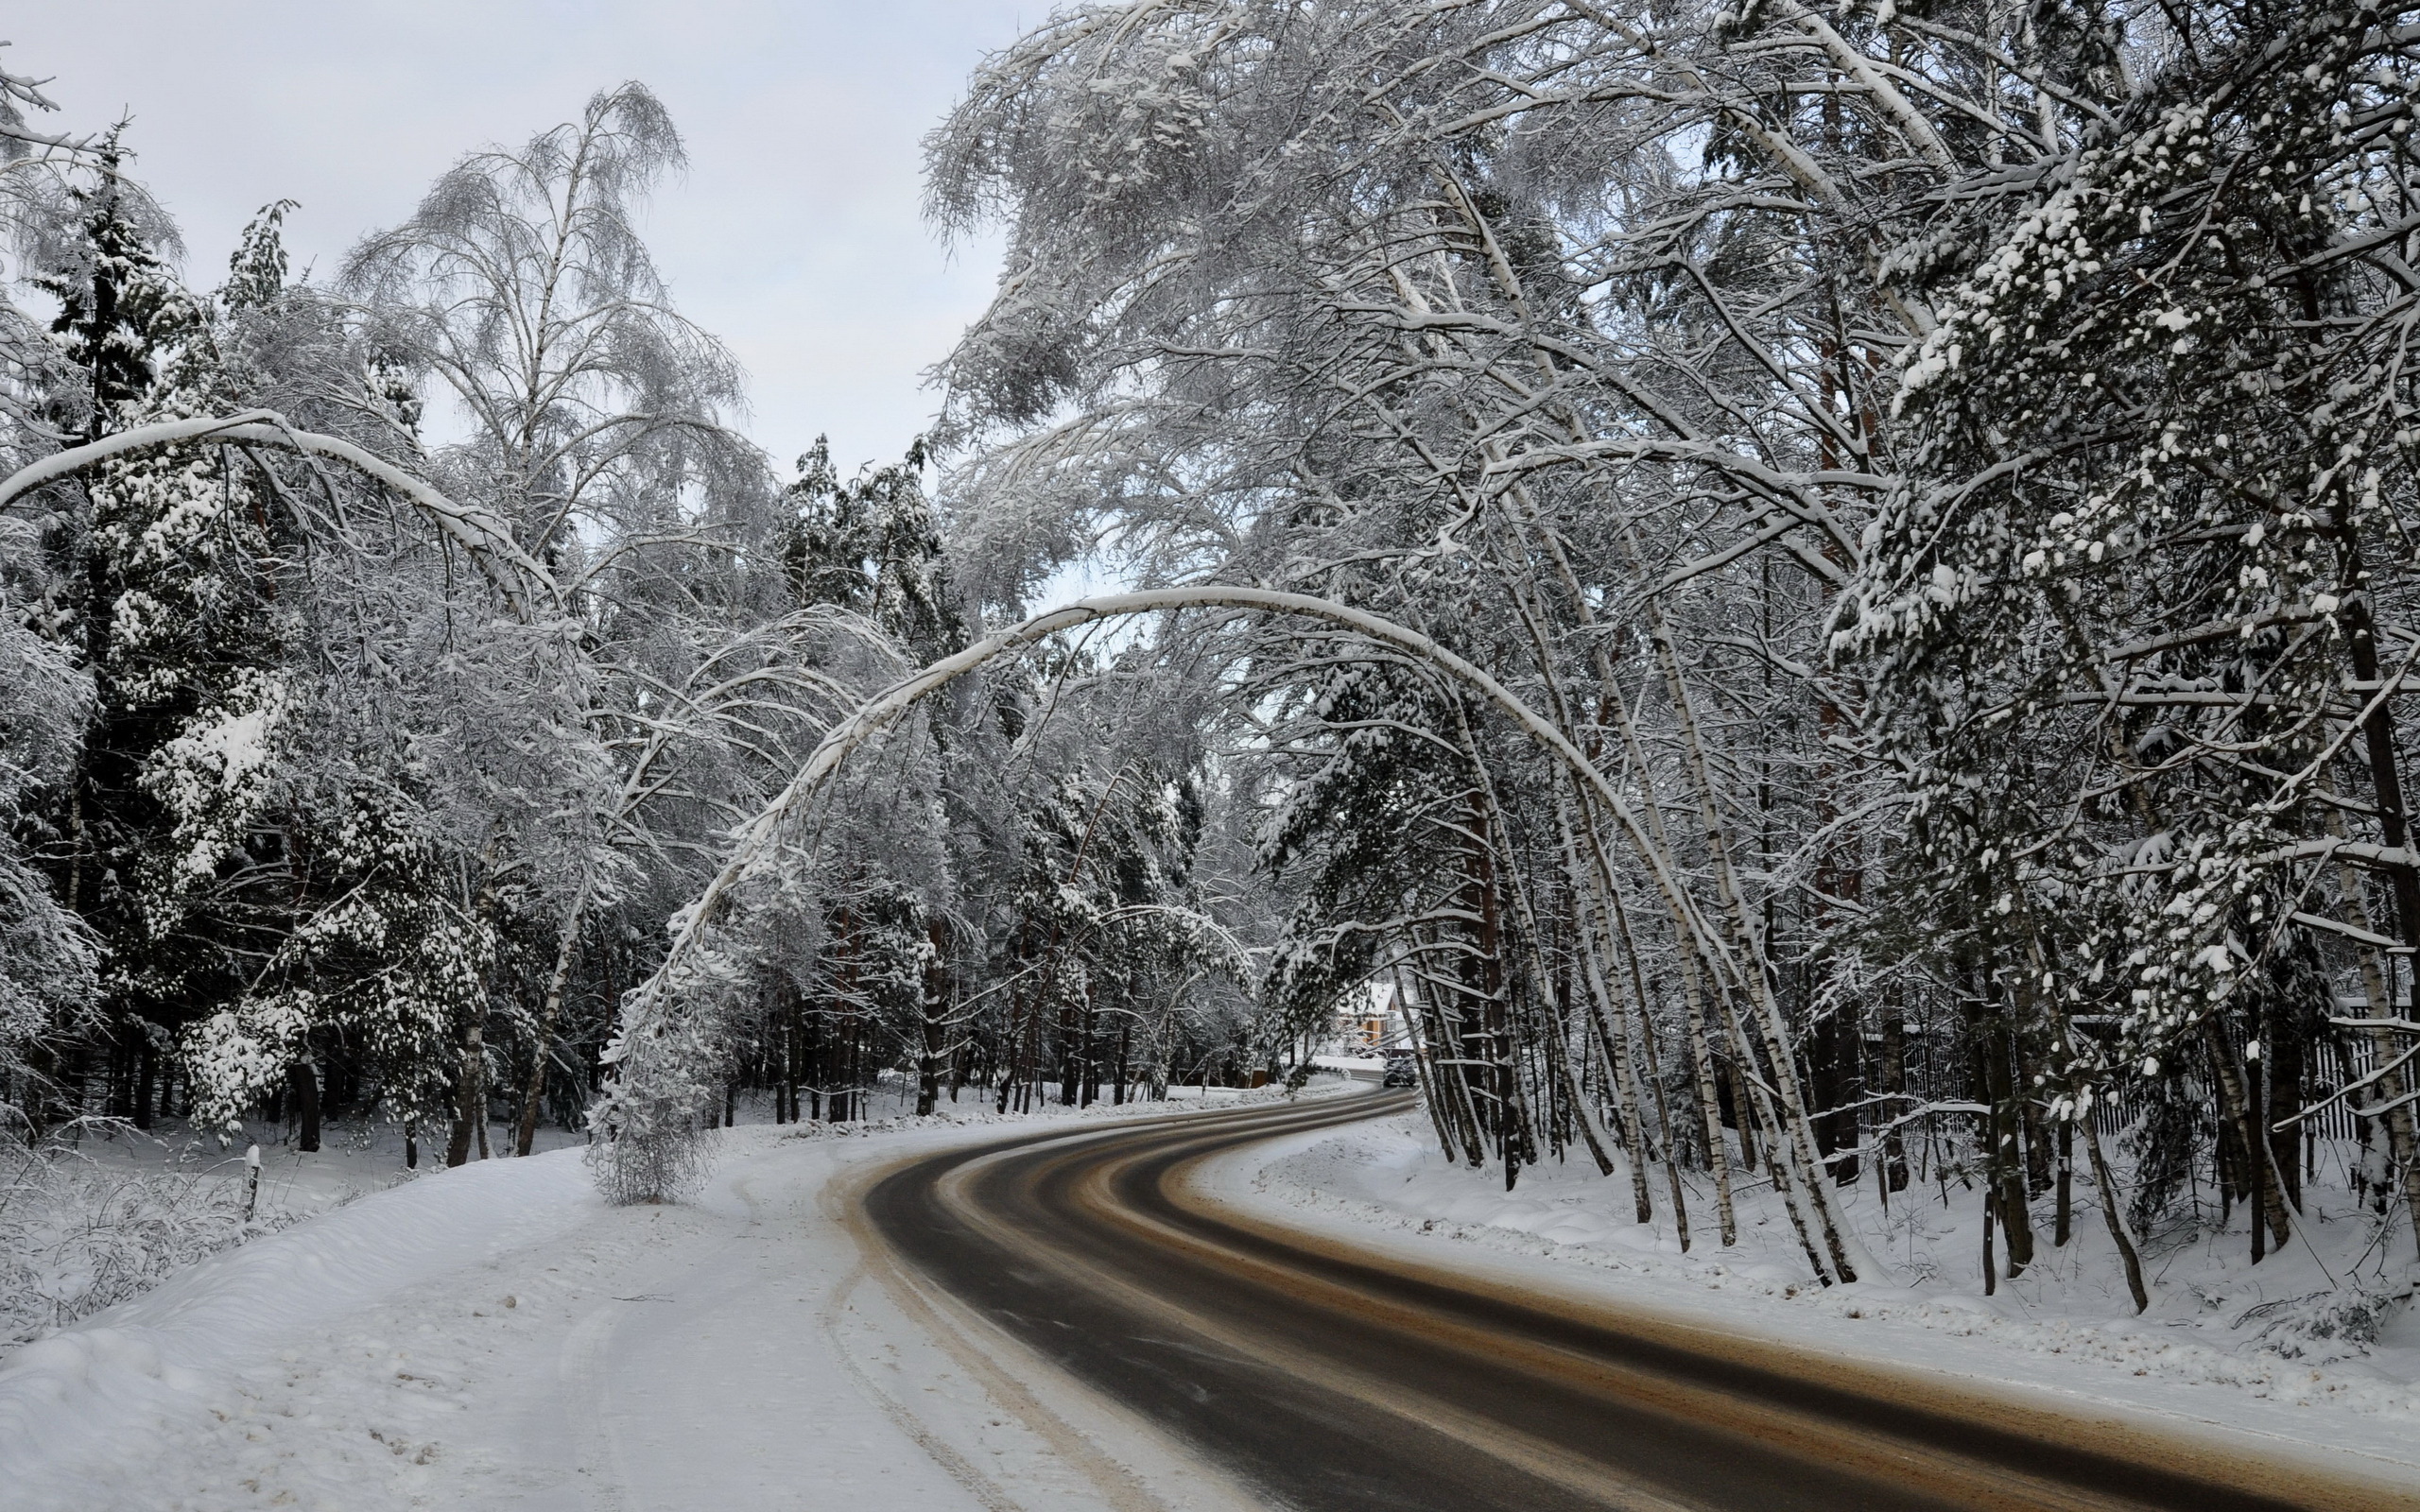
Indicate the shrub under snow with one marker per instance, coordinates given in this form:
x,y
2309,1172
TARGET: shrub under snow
x,y
77,1236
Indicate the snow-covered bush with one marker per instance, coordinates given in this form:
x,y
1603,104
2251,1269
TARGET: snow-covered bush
x,y
2321,1327
77,1236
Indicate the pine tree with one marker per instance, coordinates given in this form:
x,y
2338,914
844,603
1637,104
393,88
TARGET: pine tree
x,y
135,611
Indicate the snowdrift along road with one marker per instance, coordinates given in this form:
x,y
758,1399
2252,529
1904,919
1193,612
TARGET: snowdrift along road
x,y
1327,1377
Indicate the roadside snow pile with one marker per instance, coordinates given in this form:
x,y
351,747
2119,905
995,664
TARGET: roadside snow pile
x,y
2345,1335
118,1378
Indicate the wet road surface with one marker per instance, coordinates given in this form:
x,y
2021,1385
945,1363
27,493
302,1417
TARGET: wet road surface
x,y
1327,1378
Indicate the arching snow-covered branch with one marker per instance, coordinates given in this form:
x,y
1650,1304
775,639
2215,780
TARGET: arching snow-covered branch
x,y
482,534
650,1015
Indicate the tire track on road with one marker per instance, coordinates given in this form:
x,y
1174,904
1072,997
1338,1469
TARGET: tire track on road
x,y
1333,1378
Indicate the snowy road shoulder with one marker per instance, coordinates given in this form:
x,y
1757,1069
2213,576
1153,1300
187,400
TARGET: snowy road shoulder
x,y
496,1336
163,1366
1382,1187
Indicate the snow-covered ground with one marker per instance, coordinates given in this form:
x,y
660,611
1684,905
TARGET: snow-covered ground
x,y
107,1214
494,1337
2227,1345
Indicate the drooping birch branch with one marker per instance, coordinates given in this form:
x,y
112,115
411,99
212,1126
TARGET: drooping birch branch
x,y
651,1010
522,580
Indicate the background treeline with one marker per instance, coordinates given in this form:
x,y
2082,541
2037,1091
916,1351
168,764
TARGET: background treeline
x,y
387,657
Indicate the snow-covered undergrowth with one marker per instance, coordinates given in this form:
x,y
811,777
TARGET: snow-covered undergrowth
x,y
96,1221
78,1236
100,1388
2337,1327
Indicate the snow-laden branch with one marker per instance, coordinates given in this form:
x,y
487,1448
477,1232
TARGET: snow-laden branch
x,y
650,1014
21,90
485,535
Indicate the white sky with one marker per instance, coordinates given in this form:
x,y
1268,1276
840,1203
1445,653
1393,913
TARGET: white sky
x,y
796,235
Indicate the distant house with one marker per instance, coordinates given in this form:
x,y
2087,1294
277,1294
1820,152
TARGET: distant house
x,y
1369,1021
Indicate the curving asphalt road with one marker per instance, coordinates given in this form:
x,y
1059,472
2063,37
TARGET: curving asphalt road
x,y
1327,1377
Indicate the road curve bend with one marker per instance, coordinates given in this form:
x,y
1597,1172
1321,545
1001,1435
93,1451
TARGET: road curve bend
x,y
1328,1377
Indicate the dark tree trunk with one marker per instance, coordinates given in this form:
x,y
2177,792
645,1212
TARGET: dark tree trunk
x,y
1088,1069
1833,1054
2004,1161
470,1111
2284,1061
305,1078
2066,1172
1070,1077
935,1027
1894,1073
787,1095
145,1065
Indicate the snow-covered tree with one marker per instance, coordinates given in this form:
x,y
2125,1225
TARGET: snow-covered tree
x,y
2136,612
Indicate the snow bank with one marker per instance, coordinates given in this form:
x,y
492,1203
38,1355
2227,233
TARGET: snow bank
x,y
2224,1341
116,1379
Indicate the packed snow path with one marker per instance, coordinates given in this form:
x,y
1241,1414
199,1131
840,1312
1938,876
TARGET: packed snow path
x,y
947,1319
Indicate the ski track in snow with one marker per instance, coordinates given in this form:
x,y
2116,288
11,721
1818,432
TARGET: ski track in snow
x,y
496,1336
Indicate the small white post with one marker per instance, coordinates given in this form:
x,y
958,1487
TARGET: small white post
x,y
252,1181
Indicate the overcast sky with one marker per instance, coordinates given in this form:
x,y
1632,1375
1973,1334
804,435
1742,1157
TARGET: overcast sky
x,y
795,236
